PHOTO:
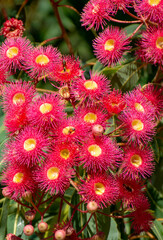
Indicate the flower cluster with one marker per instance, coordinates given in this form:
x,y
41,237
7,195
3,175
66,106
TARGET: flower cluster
x,y
101,147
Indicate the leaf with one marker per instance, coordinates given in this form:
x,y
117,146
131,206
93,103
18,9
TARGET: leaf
x,y
158,229
126,77
4,215
131,28
155,148
97,67
15,222
114,233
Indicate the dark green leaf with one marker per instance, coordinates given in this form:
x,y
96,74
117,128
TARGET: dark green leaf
x,y
114,233
158,229
3,222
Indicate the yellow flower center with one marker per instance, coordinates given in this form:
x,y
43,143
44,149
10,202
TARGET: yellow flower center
x,y
64,92
90,85
68,130
109,45
94,150
154,2
42,59
12,52
136,160
65,153
159,42
45,108
29,144
65,70
139,107
99,188
137,125
90,117
18,177
53,173
18,98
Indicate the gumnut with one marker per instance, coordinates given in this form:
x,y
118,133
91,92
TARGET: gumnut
x,y
60,235
69,231
29,215
92,206
28,230
42,227
97,130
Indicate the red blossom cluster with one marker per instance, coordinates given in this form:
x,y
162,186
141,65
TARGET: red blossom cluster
x,y
49,149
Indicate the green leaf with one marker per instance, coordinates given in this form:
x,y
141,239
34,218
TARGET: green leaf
x,y
3,222
158,229
131,28
126,77
114,233
97,67
155,148
15,224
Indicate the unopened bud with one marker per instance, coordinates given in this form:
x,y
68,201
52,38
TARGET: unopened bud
x,y
28,230
11,236
6,192
27,196
92,206
42,226
69,231
99,236
29,215
64,92
97,130
60,235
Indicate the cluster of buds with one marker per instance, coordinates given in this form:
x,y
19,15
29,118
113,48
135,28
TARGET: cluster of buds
x,y
49,149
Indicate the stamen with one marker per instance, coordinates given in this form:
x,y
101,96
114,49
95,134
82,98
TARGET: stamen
x,y
137,125
90,117
109,45
99,188
18,177
136,160
94,150
18,98
29,144
53,173
65,153
45,108
42,59
12,52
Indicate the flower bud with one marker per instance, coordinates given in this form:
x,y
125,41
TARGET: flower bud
x,y
60,235
99,236
27,196
92,206
69,231
42,227
5,192
29,215
97,130
28,230
11,236
64,92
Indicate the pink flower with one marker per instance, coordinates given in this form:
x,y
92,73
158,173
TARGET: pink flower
x,y
151,46
110,46
53,176
67,70
99,188
95,13
13,53
29,147
137,162
91,90
114,102
17,95
41,61
12,28
137,128
18,179
99,154
152,10
46,111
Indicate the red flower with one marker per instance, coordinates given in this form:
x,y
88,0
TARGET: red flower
x,y
137,127
153,10
18,179
53,176
100,188
41,61
95,12
17,95
114,102
28,147
151,46
110,45
67,70
12,28
91,90
13,53
137,162
99,154
45,111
